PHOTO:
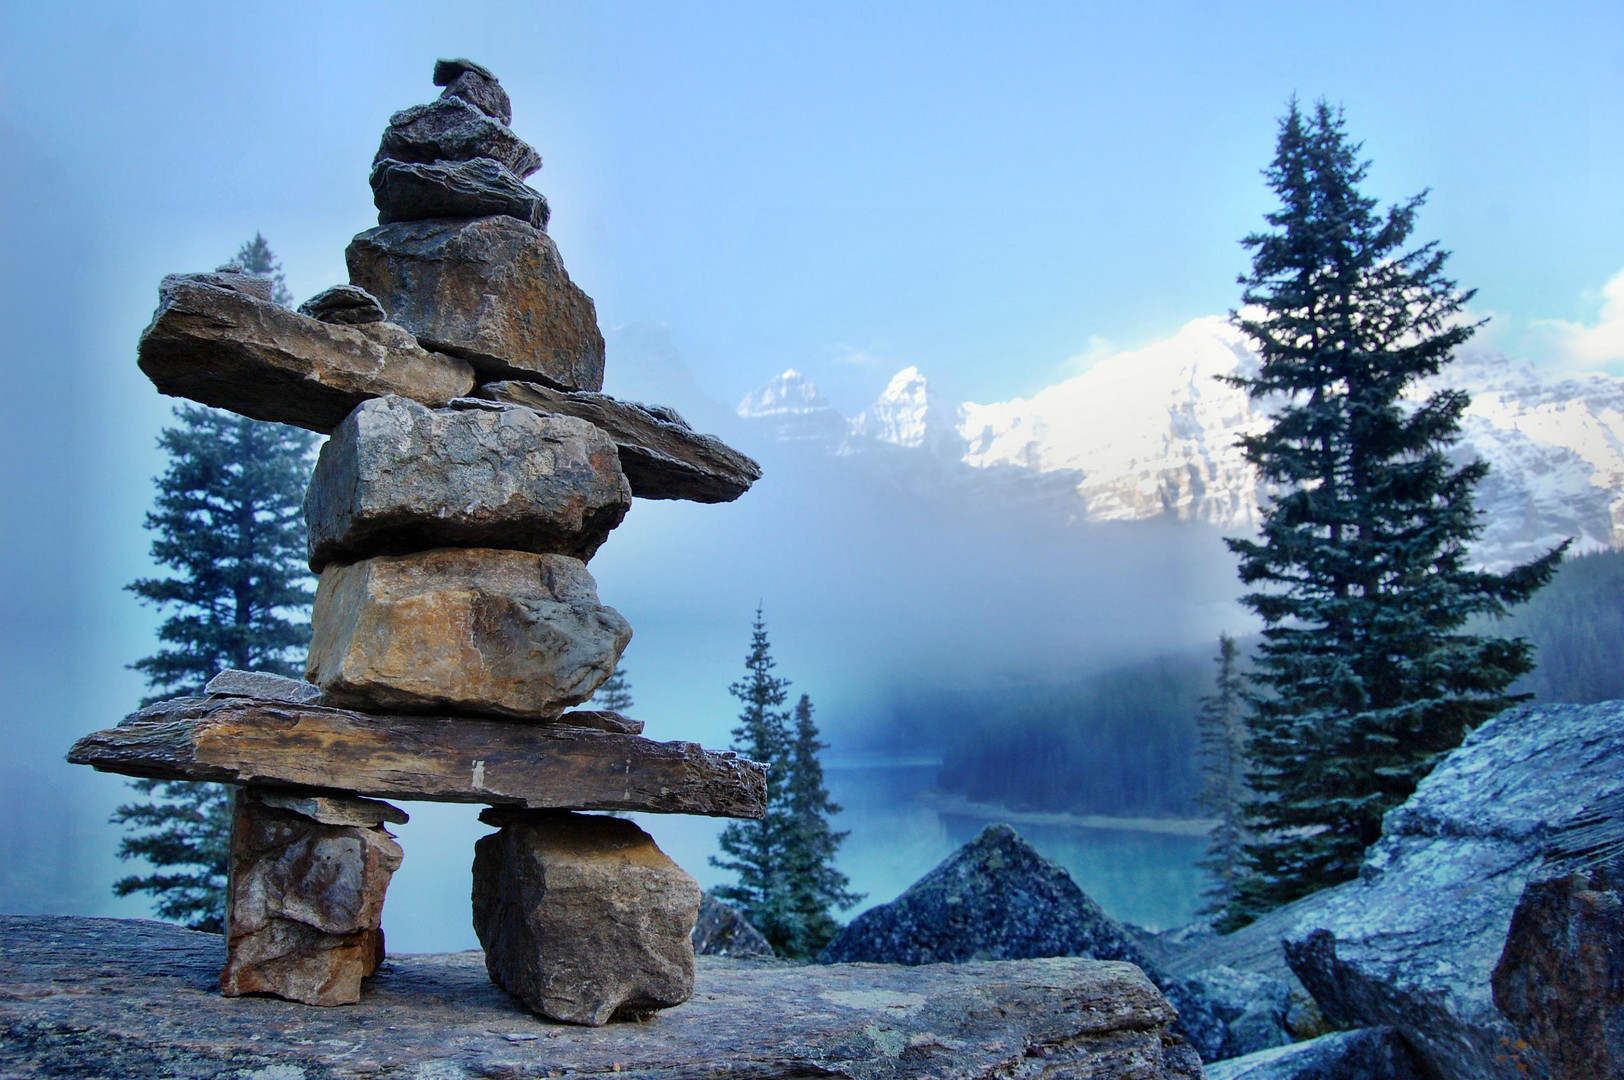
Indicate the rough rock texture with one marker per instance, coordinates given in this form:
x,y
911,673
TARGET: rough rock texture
x,y
474,84
331,809
1365,1054
1560,980
451,129
261,685
994,899
135,1000
413,191
439,759
1226,1013
583,917
230,350
723,931
463,630
1414,942
662,456
230,277
602,720
397,477
344,305
492,290
305,898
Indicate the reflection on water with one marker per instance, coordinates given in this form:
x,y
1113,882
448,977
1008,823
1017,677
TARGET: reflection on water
x,y
898,834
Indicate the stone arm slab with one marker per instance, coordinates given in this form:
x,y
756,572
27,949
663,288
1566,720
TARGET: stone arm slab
x,y
661,459
436,759
224,348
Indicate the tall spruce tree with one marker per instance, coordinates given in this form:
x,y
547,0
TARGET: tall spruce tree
x,y
815,885
1222,724
757,848
1362,578
229,522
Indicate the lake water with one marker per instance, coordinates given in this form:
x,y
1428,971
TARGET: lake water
x,y
899,831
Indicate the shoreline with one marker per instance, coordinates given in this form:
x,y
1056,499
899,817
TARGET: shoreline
x,y
957,804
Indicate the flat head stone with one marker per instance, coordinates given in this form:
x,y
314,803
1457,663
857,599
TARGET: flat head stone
x,y
447,71
344,305
476,631
230,277
397,477
583,917
451,129
492,290
261,686
412,191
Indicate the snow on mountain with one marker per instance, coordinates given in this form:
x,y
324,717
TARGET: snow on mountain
x,y
1152,432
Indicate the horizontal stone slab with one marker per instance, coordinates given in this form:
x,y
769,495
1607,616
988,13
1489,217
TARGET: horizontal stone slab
x,y
132,999
492,290
398,477
662,457
231,350
413,191
436,759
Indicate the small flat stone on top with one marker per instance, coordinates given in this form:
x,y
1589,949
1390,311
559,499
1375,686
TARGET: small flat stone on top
x,y
262,686
447,71
344,305
231,277
476,85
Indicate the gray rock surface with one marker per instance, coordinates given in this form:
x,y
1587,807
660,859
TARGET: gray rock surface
x,y
1226,1013
345,305
583,917
305,899
492,290
474,84
476,631
722,930
228,349
662,456
413,191
397,477
332,809
1365,1054
231,277
262,686
563,765
451,129
1413,944
136,1000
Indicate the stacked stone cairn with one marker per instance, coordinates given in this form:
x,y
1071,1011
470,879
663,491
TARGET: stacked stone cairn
x,y
473,467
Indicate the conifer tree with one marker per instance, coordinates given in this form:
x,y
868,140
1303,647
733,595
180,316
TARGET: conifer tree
x,y
229,522
615,694
757,848
1361,573
1222,722
815,885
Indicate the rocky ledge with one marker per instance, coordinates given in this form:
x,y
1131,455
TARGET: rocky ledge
x,y
115,997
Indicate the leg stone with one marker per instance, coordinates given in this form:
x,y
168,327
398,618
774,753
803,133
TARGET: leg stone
x,y
583,916
308,875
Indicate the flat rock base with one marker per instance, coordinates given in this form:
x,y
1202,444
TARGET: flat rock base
x,y
136,1000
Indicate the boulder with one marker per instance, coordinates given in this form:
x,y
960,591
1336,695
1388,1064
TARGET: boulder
x,y
1226,1013
451,129
474,84
1365,1054
231,277
305,897
412,191
995,898
464,630
1414,942
492,290
231,350
262,686
662,457
397,477
583,917
131,999
344,305
722,930
564,765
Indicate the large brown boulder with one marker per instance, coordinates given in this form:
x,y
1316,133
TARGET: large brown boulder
x,y
227,348
583,917
475,630
305,898
492,290
397,477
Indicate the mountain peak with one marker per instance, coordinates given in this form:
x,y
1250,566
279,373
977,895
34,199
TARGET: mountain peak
x,y
908,413
794,409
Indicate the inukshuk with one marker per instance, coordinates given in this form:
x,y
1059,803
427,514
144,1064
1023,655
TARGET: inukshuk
x,y
473,467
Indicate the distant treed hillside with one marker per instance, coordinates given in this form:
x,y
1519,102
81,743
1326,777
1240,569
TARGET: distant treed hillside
x,y
1124,742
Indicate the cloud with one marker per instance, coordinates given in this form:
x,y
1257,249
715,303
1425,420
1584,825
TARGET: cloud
x,y
1594,345
1098,349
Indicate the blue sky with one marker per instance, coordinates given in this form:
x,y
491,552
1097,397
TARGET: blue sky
x,y
986,191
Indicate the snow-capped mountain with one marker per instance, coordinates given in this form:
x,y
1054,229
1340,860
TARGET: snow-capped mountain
x,y
1152,432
